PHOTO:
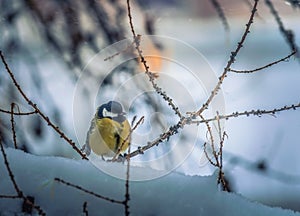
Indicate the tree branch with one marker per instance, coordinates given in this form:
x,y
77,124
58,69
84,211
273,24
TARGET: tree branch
x,y
38,111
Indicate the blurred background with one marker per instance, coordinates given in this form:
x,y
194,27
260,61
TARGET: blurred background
x,y
49,43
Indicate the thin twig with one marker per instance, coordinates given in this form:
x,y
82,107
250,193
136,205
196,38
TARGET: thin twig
x,y
212,144
87,191
10,197
13,124
218,155
18,113
219,126
127,194
10,173
162,137
221,147
126,49
133,120
84,209
38,111
229,63
263,67
221,178
258,112
207,156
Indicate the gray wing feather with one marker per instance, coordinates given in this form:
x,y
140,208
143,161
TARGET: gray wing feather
x,y
86,147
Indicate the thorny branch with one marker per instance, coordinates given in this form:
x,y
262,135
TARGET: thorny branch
x,y
218,155
17,113
39,112
136,39
12,120
264,67
229,63
9,197
125,202
87,191
212,144
258,112
184,120
162,137
10,173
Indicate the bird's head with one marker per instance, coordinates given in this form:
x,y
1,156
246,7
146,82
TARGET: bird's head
x,y
112,110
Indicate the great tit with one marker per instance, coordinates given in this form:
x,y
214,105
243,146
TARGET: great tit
x,y
109,128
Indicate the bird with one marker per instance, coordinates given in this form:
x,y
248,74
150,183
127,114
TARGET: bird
x,y
109,132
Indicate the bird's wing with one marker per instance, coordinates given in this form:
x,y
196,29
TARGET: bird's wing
x,y
86,147
125,135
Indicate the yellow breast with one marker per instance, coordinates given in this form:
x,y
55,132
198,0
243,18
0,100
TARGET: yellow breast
x,y
108,136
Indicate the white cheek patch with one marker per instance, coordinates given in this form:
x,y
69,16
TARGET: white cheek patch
x,y
106,113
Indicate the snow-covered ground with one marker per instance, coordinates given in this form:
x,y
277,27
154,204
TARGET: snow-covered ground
x,y
174,194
